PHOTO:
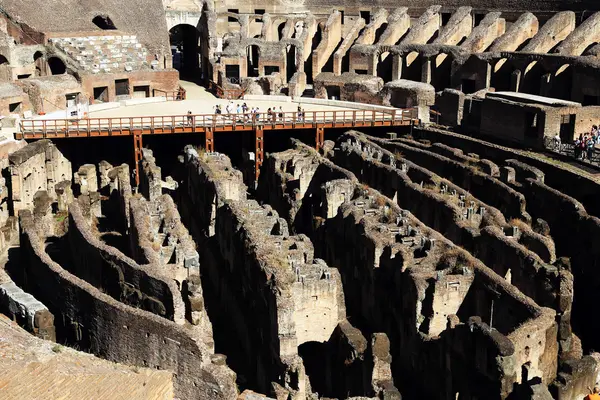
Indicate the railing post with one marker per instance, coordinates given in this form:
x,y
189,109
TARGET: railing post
x,y
209,143
258,152
137,153
320,137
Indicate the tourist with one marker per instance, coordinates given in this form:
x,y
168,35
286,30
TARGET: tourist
x,y
557,142
238,109
589,147
281,113
594,394
579,145
269,114
190,119
228,107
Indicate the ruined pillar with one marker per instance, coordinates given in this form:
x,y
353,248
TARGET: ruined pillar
x,y
426,70
396,67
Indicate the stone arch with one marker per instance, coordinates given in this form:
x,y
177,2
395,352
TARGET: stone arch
x,y
558,82
531,78
184,40
175,18
501,75
40,63
277,26
56,66
385,60
441,71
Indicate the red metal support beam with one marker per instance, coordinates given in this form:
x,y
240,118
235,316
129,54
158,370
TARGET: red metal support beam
x,y
320,137
137,153
209,144
258,150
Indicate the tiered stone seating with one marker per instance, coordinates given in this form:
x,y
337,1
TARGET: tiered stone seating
x,y
105,54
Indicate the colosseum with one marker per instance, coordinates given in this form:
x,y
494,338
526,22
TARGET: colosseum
x,y
299,200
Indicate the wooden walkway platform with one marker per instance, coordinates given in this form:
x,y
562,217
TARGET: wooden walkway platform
x,y
210,124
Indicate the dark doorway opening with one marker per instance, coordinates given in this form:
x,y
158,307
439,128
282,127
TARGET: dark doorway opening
x,y
185,50
232,73
333,92
271,69
290,64
385,66
104,22
531,125
38,59
567,128
366,15
468,86
122,87
14,107
57,66
101,94
253,56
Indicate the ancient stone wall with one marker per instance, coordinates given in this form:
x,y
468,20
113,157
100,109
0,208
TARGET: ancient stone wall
x,y
363,240
119,276
102,325
38,166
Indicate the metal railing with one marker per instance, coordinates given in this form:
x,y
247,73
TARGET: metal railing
x,y
179,94
570,150
178,123
222,93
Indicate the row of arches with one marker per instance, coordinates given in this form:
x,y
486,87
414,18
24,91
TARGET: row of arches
x,y
51,66
475,74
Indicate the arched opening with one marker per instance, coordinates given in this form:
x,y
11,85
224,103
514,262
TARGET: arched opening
x,y
501,75
531,79
384,66
5,74
38,60
104,22
57,66
412,66
559,83
309,61
253,55
472,75
185,49
280,30
290,63
441,71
